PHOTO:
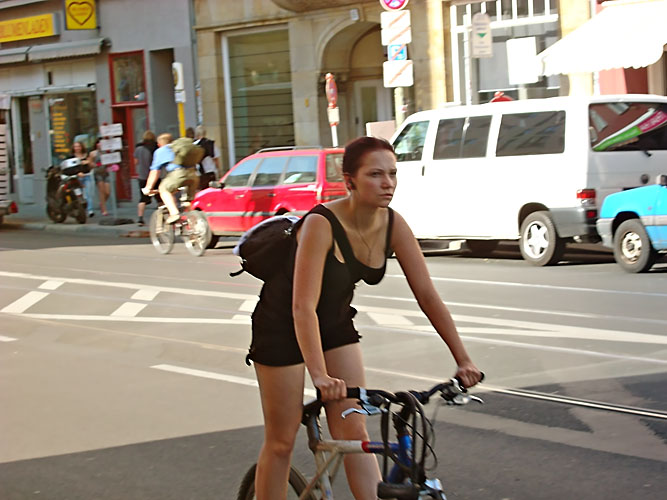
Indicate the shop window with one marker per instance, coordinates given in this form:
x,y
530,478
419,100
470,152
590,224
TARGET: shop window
x,y
72,118
260,78
537,133
26,149
127,78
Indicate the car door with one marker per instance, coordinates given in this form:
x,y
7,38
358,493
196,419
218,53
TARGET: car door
x,y
226,208
263,194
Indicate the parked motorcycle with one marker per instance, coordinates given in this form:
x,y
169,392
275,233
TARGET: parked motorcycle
x,y
64,192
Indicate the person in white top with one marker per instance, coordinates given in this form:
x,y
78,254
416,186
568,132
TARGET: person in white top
x,y
209,168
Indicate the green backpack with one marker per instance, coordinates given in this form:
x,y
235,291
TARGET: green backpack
x,y
186,153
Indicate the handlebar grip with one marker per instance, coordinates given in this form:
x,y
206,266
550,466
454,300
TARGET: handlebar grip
x,y
352,393
398,491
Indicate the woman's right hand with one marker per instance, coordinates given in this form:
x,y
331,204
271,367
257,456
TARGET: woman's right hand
x,y
331,389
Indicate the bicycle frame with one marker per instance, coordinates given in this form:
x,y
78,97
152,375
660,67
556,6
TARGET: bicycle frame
x,y
330,451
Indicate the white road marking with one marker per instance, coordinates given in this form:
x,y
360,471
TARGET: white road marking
x,y
6,339
144,294
217,376
129,309
50,285
248,305
24,303
390,319
534,285
244,320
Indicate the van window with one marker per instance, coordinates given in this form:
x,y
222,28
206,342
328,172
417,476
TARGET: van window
x,y
301,169
448,139
409,145
634,126
241,173
335,167
270,170
538,133
476,136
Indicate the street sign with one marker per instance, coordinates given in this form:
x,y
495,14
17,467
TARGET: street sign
x,y
482,40
522,63
334,116
111,130
109,158
397,73
113,144
397,52
393,5
395,28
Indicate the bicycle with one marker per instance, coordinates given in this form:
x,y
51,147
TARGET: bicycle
x,y
406,480
192,226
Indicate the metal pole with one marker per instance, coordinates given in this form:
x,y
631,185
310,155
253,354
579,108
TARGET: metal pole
x,y
334,136
114,206
467,59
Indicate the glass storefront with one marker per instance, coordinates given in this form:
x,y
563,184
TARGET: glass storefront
x,y
72,118
127,77
260,82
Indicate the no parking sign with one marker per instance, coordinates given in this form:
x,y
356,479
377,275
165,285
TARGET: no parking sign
x,y
393,4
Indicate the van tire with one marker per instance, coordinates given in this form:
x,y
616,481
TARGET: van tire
x,y
539,241
632,247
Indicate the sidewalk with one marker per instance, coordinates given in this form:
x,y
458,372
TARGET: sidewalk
x,y
33,217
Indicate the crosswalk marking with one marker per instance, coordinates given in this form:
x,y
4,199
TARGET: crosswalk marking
x,y
144,294
390,319
7,339
51,285
248,306
129,309
25,302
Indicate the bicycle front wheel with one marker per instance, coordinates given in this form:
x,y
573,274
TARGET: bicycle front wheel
x,y
196,233
297,484
162,234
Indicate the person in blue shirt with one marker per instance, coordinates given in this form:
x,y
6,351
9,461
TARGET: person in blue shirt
x,y
177,176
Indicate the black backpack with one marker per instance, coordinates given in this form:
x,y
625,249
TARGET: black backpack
x,y
265,247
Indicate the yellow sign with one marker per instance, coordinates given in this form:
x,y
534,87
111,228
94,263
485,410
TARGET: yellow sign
x,y
80,15
27,27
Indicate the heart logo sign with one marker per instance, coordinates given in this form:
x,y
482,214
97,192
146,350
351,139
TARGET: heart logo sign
x,y
80,12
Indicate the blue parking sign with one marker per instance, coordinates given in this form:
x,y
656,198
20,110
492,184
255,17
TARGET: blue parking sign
x,y
397,52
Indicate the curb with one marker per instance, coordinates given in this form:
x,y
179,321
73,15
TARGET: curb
x,y
79,229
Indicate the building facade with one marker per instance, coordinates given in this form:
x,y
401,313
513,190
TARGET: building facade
x,y
68,67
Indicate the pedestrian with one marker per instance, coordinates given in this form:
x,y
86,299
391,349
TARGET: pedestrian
x,y
190,133
143,157
86,176
101,176
209,168
303,320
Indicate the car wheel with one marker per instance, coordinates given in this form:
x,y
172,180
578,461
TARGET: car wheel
x,y
632,247
214,241
539,242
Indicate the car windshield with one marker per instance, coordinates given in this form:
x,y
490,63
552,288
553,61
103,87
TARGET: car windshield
x,y
335,167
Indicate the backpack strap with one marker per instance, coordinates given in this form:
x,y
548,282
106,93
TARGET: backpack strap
x,y
387,245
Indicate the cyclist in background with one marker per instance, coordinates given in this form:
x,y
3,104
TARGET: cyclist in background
x,y
177,176
303,319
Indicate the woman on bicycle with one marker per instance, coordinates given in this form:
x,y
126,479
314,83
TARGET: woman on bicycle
x,y
303,319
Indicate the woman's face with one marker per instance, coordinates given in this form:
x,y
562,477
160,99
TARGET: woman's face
x,y
375,180
77,147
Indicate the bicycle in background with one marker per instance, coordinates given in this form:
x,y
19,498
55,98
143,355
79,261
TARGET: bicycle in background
x,y
403,467
192,226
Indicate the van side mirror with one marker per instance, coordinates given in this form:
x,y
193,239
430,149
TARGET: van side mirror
x,y
662,180
216,184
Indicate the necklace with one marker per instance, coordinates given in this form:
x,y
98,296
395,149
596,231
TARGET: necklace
x,y
363,240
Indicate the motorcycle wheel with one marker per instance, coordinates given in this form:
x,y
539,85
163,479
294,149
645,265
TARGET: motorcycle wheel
x,y
81,214
55,214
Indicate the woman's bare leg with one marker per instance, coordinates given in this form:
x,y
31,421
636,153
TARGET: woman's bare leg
x,y
281,391
363,472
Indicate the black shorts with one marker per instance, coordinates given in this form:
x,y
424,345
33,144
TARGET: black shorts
x,y
273,347
145,198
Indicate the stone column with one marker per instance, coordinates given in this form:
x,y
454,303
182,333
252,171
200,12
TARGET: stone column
x,y
304,82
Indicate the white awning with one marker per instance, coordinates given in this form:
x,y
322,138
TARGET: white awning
x,y
66,49
15,55
625,34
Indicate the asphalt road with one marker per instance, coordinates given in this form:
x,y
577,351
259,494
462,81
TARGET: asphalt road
x,y
122,373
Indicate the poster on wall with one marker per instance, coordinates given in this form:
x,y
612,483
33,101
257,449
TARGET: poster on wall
x,y
80,15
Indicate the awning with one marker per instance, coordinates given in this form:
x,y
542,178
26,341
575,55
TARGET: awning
x,y
66,49
15,55
625,34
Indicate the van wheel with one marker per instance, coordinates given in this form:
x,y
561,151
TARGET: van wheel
x,y
481,247
539,241
632,247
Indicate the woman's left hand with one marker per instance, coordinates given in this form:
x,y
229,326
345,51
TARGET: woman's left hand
x,y
468,374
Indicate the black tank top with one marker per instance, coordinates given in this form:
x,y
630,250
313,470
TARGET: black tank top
x,y
334,311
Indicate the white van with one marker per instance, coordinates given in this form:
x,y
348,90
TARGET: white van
x,y
534,170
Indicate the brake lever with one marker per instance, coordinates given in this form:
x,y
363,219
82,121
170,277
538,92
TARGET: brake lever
x,y
463,399
368,410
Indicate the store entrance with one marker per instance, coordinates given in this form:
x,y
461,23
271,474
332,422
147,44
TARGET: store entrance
x,y
135,121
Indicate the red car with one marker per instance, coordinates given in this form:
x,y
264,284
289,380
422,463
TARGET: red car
x,y
273,181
